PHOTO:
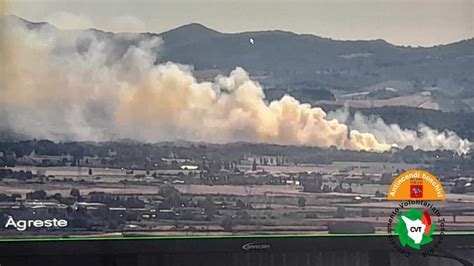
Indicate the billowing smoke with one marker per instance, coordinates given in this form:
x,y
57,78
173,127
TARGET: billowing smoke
x,y
424,137
79,85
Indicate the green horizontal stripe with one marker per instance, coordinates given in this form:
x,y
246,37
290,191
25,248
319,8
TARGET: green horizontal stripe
x,y
118,238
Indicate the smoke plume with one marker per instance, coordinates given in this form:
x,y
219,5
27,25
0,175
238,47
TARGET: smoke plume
x,y
80,85
423,138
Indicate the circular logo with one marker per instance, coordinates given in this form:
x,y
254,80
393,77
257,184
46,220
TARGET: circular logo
x,y
414,228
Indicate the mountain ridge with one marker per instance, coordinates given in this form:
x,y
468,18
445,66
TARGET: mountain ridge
x,y
289,61
196,25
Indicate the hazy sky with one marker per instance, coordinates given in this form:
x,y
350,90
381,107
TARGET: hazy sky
x,y
405,22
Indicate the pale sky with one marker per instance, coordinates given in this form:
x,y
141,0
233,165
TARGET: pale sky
x,y
403,22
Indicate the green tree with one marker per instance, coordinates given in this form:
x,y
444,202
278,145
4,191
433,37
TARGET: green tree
x,y
227,223
365,212
75,192
301,202
209,206
340,212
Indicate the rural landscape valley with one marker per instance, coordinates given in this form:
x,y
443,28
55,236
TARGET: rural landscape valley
x,y
193,131
208,189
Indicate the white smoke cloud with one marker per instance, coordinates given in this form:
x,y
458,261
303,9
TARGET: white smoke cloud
x,y
77,85
424,137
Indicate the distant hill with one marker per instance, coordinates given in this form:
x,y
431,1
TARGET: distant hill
x,y
285,60
188,34
315,69
287,57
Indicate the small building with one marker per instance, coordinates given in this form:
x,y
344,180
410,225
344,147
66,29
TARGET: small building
x,y
189,167
38,159
92,161
174,159
271,160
